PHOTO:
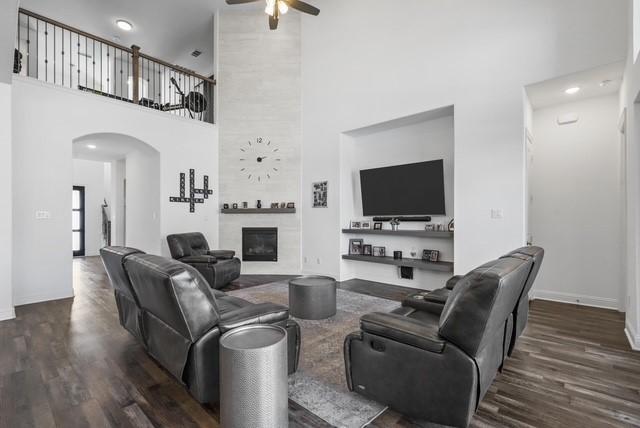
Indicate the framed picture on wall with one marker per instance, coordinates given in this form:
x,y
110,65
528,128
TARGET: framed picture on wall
x,y
320,195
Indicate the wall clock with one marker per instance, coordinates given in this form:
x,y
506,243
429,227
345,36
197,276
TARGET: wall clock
x,y
260,160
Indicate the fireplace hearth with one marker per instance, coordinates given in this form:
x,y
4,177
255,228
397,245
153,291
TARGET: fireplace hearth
x,y
260,244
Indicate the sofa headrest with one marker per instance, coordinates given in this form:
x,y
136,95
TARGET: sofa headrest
x,y
187,244
482,301
113,259
536,254
173,292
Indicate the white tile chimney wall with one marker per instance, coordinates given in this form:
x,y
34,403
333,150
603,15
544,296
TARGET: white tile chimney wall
x,y
260,97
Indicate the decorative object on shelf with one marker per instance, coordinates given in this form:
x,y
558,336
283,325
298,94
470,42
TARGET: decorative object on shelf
x,y
245,205
413,253
430,255
377,226
367,250
394,223
406,272
291,205
450,226
259,204
320,194
225,206
193,191
365,224
397,255
275,205
355,246
283,205
429,227
260,160
440,227
379,251
356,225
235,206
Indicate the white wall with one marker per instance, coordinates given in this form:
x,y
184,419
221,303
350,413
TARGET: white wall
x,y
575,213
394,145
629,109
6,230
90,175
360,69
259,96
44,177
143,200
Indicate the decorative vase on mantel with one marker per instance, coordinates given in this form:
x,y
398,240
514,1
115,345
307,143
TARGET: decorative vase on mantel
x,y
259,204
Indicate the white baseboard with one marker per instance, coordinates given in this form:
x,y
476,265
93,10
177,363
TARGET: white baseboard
x,y
576,299
632,336
7,314
28,299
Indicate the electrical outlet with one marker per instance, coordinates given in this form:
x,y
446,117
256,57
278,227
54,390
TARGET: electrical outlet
x,y
318,260
43,215
497,213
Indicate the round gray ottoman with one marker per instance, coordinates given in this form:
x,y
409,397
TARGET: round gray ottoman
x,y
312,297
253,377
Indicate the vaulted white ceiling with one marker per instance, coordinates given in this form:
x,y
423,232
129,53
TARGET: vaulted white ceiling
x,y
167,29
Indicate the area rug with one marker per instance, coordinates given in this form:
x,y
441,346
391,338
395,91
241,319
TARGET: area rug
x,y
320,385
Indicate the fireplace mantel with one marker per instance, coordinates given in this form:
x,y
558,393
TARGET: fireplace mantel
x,y
259,211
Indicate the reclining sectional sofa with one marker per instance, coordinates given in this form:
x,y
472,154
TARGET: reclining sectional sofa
x,y
435,360
171,310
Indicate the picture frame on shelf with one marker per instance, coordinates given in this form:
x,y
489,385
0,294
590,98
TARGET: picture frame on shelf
x,y
379,251
430,255
356,224
366,224
355,247
367,250
275,205
291,205
377,226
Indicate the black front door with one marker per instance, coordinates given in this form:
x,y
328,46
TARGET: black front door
x,y
77,220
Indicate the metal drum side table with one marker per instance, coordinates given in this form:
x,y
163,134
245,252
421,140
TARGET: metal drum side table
x,y
253,378
312,297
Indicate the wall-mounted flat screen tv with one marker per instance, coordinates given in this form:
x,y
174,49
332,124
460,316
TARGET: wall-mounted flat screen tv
x,y
403,190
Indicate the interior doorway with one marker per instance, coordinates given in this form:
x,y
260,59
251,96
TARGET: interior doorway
x,y
78,221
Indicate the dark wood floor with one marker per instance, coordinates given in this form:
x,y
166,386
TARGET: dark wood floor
x,y
68,363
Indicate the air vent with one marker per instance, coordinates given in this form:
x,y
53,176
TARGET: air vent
x,y
196,53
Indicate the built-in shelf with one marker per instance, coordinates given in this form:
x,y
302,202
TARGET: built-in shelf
x,y
414,233
414,263
259,211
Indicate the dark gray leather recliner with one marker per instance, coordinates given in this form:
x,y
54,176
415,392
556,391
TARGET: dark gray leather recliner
x,y
438,367
181,319
129,311
434,301
219,267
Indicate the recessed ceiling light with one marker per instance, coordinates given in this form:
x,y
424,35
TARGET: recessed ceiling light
x,y
573,90
124,25
92,146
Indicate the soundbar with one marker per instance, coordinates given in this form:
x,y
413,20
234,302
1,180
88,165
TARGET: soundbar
x,y
401,218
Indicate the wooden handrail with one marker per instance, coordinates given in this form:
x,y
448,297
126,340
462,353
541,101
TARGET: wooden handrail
x,y
74,30
132,50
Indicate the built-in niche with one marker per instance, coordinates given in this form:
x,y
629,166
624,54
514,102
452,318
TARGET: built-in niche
x,y
421,137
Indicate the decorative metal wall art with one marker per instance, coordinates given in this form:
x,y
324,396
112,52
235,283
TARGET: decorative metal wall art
x,y
193,191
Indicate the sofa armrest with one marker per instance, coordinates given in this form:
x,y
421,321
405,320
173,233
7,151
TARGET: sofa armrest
x,y
262,313
203,259
403,329
451,282
222,254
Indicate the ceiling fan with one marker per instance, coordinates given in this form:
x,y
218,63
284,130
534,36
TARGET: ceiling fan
x,y
275,8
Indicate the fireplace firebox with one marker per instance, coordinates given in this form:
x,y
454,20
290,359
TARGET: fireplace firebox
x,y
260,244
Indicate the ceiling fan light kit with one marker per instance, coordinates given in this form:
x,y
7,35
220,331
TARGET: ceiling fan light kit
x,y
275,8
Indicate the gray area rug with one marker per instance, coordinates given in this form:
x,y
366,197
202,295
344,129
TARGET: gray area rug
x,y
320,385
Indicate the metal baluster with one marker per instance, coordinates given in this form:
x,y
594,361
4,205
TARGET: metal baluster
x,y
108,72
93,60
37,48
70,59
86,63
78,55
46,52
54,55
19,30
28,43
62,59
121,94
101,65
128,76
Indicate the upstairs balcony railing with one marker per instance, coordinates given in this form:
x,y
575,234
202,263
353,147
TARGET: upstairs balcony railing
x,y
56,53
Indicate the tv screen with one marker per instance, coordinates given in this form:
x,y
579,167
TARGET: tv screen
x,y
411,189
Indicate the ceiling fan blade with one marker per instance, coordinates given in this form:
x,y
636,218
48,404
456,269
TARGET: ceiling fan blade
x,y
273,22
302,7
241,1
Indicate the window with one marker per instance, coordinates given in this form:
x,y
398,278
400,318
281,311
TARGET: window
x,y
77,221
